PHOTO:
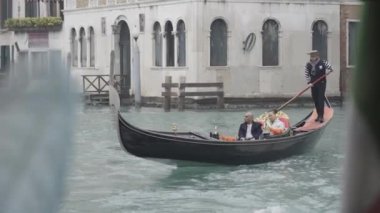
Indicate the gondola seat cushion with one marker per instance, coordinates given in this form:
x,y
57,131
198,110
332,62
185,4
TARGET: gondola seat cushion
x,y
227,138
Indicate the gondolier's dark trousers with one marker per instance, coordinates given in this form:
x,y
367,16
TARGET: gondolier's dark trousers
x,y
318,94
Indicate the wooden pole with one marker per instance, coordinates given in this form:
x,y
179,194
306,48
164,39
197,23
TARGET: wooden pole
x,y
84,82
167,96
303,91
112,71
220,98
181,98
99,90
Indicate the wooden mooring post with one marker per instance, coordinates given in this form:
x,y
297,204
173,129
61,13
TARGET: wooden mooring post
x,y
168,92
220,96
181,98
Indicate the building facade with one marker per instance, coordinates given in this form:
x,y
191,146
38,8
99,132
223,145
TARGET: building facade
x,y
32,43
256,47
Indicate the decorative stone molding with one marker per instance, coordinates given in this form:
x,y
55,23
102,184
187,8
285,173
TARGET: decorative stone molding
x,y
116,29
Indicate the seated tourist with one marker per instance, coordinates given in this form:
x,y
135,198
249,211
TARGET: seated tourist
x,y
250,129
273,125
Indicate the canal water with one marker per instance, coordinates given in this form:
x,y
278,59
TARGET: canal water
x,y
104,178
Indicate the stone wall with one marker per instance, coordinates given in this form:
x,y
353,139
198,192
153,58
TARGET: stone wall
x,y
82,3
244,75
102,2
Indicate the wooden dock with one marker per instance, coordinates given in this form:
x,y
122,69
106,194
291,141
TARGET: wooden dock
x,y
96,88
182,93
97,99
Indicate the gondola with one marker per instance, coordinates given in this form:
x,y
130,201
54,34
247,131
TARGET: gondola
x,y
192,146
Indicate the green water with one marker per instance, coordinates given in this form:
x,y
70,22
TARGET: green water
x,y
104,178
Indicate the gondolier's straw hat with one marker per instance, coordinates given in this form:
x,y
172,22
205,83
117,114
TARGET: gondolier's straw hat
x,y
313,52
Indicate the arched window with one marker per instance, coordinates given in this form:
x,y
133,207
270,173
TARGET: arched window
x,y
92,47
352,33
157,44
83,47
53,8
270,43
181,34
74,48
6,9
32,8
218,43
169,44
320,38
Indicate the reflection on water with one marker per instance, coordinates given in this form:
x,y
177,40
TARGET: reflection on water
x,y
104,178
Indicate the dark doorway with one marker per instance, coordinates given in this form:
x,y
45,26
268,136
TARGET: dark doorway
x,y
125,59
5,58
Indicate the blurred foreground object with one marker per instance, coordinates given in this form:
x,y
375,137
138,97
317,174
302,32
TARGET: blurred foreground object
x,y
36,118
362,169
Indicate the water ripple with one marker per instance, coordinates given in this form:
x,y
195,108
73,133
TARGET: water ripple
x,y
104,178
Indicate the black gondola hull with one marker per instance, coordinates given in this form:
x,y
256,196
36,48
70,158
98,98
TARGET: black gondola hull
x,y
151,144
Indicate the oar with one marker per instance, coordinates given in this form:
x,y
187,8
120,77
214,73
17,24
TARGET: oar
x,y
303,91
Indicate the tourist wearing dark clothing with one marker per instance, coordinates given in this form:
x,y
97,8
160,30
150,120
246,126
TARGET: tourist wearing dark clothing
x,y
315,69
249,130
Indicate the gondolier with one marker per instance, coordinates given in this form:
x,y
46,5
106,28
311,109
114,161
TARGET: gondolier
x,y
315,69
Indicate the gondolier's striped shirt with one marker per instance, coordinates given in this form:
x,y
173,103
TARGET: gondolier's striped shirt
x,y
310,77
